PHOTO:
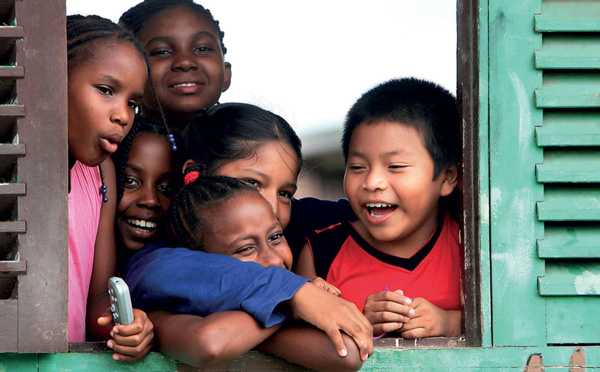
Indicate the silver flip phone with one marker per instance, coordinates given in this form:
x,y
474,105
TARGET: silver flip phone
x,y
120,301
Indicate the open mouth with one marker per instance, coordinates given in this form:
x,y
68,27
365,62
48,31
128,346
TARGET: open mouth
x,y
379,210
144,225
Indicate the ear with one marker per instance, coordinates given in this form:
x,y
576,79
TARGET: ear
x,y
450,180
227,79
188,163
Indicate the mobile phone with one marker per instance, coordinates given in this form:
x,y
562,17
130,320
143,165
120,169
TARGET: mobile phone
x,y
120,301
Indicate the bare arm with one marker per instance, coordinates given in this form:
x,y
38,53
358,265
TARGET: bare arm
x,y
207,341
133,341
310,347
306,266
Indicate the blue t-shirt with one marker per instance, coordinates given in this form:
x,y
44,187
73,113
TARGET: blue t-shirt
x,y
184,281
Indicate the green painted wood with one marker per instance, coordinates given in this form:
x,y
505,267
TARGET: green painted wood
x,y
483,176
576,203
101,362
18,362
578,315
513,188
567,51
569,166
571,279
569,128
569,90
574,241
568,16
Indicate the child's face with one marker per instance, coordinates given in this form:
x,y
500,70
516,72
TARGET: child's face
x,y
389,183
186,62
102,96
273,170
147,191
246,228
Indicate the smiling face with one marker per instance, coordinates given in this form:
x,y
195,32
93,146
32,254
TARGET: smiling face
x,y
389,183
246,228
273,169
147,192
187,64
103,93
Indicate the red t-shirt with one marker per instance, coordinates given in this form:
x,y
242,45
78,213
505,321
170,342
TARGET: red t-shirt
x,y
358,269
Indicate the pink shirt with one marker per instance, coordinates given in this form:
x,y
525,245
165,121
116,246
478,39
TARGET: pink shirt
x,y
85,203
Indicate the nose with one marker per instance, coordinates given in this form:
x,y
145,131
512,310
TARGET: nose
x,y
185,61
271,257
122,115
149,198
272,199
375,180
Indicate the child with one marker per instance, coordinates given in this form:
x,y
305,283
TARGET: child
x,y
186,53
261,149
402,260
107,71
148,175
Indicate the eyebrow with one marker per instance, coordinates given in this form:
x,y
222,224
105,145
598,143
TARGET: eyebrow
x,y
386,154
169,38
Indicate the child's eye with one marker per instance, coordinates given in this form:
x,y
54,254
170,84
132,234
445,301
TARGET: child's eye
x,y
160,53
252,182
133,104
286,194
104,90
245,251
165,188
397,166
275,237
356,167
130,183
203,49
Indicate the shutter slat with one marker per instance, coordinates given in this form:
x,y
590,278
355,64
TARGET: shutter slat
x,y
573,279
569,129
569,166
11,32
570,242
570,204
13,227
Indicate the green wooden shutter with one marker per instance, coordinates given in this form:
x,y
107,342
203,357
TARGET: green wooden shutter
x,y
570,172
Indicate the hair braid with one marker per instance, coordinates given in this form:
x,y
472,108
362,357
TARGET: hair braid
x,y
188,213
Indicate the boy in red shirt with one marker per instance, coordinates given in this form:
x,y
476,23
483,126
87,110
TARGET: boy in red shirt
x,y
401,261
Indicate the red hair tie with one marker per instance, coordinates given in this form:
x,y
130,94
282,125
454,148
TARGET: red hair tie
x,y
190,177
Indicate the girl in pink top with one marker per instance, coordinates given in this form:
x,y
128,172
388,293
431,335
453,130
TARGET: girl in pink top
x,y
107,73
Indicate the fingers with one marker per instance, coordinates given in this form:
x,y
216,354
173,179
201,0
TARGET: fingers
x,y
130,354
381,328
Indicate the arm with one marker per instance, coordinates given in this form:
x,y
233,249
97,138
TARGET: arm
x,y
311,348
133,341
431,321
208,341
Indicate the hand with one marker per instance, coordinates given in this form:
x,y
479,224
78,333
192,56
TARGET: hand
x,y
430,321
133,341
332,314
323,284
388,311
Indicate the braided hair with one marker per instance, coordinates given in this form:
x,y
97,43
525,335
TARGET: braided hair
x,y
136,18
83,32
232,131
142,125
189,213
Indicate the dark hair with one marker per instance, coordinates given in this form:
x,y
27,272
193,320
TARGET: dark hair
x,y
83,31
136,18
142,125
232,131
189,213
423,105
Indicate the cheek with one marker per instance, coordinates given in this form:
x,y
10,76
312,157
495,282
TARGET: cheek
x,y
284,213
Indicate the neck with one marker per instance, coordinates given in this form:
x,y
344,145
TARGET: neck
x,y
405,246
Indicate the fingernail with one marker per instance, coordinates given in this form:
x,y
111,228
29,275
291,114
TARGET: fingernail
x,y
116,330
112,334
399,291
406,319
115,357
110,344
343,352
411,312
408,301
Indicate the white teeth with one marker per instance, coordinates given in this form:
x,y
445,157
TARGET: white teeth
x,y
184,85
149,225
378,205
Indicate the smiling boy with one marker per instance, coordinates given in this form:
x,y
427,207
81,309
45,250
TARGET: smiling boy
x,y
401,261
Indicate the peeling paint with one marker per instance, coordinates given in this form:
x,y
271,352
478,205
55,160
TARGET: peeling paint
x,y
587,283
